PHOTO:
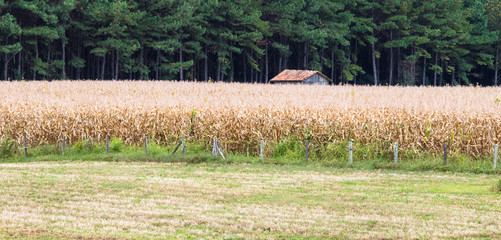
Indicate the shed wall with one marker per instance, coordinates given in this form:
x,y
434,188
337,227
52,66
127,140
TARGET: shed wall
x,y
316,79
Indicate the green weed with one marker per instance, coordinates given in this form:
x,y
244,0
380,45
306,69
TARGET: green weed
x,y
7,148
497,186
117,145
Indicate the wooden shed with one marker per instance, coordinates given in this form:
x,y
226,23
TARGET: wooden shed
x,y
301,77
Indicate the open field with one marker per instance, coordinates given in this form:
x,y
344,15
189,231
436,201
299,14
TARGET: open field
x,y
100,200
240,115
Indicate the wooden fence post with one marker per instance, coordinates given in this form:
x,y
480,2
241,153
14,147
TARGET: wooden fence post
x,y
220,150
64,145
261,151
107,144
25,146
184,146
214,147
445,154
306,146
178,146
350,156
395,150
146,145
495,160
217,149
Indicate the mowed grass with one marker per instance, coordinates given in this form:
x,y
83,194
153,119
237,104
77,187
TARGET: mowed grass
x,y
136,200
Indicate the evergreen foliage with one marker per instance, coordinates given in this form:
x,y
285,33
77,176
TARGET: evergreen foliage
x,y
381,42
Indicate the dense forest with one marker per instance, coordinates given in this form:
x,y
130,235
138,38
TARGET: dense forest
x,y
381,42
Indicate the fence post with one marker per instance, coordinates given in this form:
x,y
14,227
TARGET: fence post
x,y
146,145
495,161
350,156
306,145
64,145
395,150
184,146
214,147
220,151
261,151
445,154
107,144
25,146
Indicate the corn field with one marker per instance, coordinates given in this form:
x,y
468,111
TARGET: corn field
x,y
240,115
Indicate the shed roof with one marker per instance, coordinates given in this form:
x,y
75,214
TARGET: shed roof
x,y
296,76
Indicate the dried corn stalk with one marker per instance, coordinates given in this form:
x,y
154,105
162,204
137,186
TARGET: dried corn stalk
x,y
240,115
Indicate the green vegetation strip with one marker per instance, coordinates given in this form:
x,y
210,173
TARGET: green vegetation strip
x,y
142,200
288,152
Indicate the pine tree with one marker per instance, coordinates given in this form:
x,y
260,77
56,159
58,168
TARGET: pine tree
x,y
493,10
9,30
39,29
111,26
232,26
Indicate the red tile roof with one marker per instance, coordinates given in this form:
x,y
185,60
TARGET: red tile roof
x,y
295,76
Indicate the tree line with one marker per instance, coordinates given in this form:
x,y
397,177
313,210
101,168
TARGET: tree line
x,y
381,42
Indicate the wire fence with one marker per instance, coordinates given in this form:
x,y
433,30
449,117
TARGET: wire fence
x,y
218,149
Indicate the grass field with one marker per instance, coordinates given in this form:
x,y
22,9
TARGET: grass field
x,y
133,200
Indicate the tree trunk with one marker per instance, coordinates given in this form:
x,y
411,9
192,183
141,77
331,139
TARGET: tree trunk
x,y
63,70
47,77
453,77
103,64
222,72
116,65
497,67
157,66
94,70
378,60
374,67
261,70
79,51
113,64
19,59
19,64
36,57
305,56
435,71
413,65
390,78
332,65
181,77
63,58
141,61
256,73
5,66
280,60
322,63
218,74
356,60
424,71
252,75
206,62
232,68
193,72
266,78
245,67
322,59
399,63
442,73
